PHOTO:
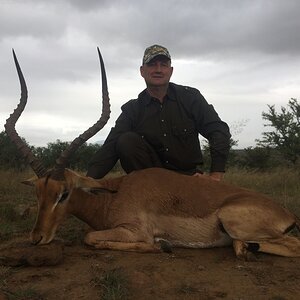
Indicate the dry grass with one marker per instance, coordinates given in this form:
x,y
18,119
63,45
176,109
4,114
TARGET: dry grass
x,y
283,185
112,284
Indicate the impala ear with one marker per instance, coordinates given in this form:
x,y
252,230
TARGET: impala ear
x,y
74,180
31,181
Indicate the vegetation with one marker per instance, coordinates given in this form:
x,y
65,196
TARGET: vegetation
x,y
279,147
19,293
79,160
10,157
281,184
112,284
27,293
285,136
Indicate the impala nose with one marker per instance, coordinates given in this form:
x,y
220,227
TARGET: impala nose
x,y
35,239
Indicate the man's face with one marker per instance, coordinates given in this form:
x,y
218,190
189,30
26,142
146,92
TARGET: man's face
x,y
157,72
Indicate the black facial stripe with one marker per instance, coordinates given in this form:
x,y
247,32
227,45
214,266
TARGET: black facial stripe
x,y
64,196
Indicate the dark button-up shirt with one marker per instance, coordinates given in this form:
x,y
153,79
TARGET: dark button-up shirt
x,y
172,128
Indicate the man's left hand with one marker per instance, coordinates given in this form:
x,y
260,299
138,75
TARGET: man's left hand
x,y
218,176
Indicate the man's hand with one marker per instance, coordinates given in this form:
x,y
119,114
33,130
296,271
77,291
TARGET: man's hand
x,y
217,176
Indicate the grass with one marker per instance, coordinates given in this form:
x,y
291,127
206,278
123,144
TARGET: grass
x,y
72,231
187,290
112,284
14,198
4,273
24,294
280,184
19,293
11,188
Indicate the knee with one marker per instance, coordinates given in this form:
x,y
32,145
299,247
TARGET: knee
x,y
89,239
128,143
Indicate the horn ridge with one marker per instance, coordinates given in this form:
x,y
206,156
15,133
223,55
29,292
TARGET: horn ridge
x,y
61,162
9,126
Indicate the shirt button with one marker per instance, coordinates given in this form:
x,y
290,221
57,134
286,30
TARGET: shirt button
x,y
167,161
167,149
165,134
142,136
162,120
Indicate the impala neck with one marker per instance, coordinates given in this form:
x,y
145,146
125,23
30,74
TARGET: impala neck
x,y
90,208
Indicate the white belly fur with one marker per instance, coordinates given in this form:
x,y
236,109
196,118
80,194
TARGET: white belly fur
x,y
191,232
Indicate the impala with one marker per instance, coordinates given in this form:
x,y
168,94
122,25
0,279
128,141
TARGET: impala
x,y
154,209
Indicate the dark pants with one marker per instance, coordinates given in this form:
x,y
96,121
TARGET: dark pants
x,y
135,153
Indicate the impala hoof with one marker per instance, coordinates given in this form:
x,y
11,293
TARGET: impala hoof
x,y
165,246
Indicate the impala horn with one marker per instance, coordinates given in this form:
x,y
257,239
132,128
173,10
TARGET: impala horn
x,y
24,149
58,171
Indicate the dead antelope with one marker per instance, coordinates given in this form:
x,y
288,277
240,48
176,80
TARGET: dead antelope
x,y
135,211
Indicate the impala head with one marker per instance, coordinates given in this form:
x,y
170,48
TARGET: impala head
x,y
53,198
54,187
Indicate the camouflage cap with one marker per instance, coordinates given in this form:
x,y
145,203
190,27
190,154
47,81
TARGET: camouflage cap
x,y
154,51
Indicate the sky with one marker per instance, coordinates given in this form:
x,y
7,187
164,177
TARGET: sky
x,y
241,55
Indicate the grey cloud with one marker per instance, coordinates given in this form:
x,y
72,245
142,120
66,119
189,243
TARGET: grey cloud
x,y
202,27
39,20
232,49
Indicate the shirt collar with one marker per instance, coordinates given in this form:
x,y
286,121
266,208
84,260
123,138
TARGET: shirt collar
x,y
146,98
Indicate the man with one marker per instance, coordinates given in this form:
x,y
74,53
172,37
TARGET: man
x,y
160,128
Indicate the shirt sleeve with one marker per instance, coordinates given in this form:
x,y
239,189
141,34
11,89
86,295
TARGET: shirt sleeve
x,y
213,129
106,157
219,145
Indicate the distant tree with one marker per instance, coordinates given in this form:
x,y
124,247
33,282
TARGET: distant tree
x,y
10,156
83,155
207,157
79,160
257,158
49,154
235,129
285,136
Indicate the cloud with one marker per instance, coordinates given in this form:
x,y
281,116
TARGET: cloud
x,y
242,55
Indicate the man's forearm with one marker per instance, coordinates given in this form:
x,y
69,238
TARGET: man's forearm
x,y
102,162
219,151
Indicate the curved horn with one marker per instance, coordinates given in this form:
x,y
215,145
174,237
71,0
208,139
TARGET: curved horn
x,y
25,150
61,162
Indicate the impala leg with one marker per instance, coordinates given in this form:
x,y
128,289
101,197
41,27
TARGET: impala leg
x,y
285,246
260,228
132,247
240,248
120,239
242,252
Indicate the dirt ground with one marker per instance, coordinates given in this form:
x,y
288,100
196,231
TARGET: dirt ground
x,y
184,274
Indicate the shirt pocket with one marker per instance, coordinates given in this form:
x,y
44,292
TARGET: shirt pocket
x,y
184,130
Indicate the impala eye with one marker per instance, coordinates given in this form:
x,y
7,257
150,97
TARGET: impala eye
x,y
63,196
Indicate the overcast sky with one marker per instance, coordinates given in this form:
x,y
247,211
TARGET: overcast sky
x,y
241,55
